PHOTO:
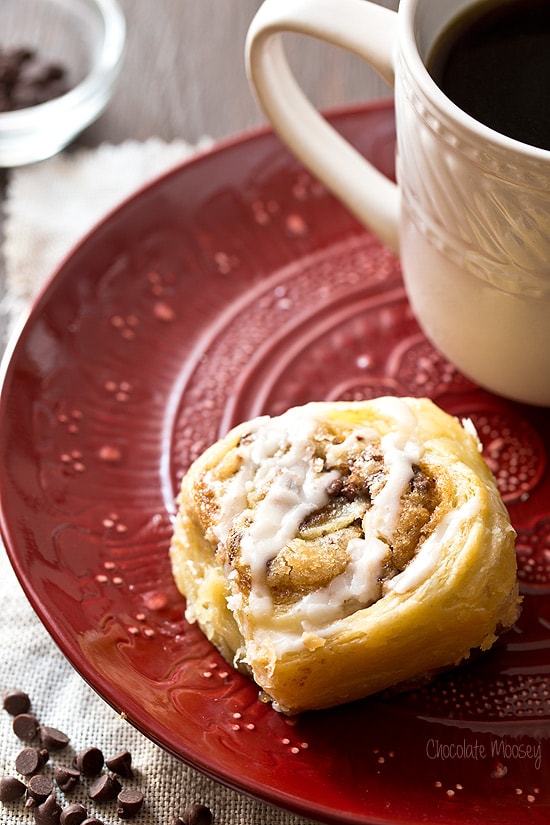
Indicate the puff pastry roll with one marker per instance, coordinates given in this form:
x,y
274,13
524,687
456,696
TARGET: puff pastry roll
x,y
343,548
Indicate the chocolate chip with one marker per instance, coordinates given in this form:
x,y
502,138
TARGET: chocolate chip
x,y
40,787
196,814
24,95
25,726
104,788
66,778
18,55
129,803
73,814
48,813
26,79
11,789
121,764
8,70
16,702
89,761
30,760
52,738
39,72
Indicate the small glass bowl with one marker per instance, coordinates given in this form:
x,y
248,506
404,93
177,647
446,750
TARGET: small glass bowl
x,y
87,38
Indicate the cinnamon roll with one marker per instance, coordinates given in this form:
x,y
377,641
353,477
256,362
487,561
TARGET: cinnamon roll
x,y
343,548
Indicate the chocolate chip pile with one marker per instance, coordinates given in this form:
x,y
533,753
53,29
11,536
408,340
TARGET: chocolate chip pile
x,y
89,765
26,79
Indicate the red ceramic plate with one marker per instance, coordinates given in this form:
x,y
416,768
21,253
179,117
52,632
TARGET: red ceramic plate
x,y
236,285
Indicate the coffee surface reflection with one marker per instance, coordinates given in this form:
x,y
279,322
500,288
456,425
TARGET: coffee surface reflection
x,y
493,61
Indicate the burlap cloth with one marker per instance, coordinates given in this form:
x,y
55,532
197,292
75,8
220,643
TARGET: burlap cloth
x,y
48,207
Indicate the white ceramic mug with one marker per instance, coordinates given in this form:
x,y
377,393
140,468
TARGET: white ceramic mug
x,y
470,215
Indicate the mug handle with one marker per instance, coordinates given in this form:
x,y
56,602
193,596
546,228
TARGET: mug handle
x,y
361,27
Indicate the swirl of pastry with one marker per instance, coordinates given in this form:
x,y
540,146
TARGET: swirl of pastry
x,y
343,548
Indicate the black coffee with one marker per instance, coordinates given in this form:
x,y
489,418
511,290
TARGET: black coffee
x,y
493,61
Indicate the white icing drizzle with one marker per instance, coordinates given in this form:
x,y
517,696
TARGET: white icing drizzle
x,y
399,456
470,428
358,585
280,460
233,496
426,561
